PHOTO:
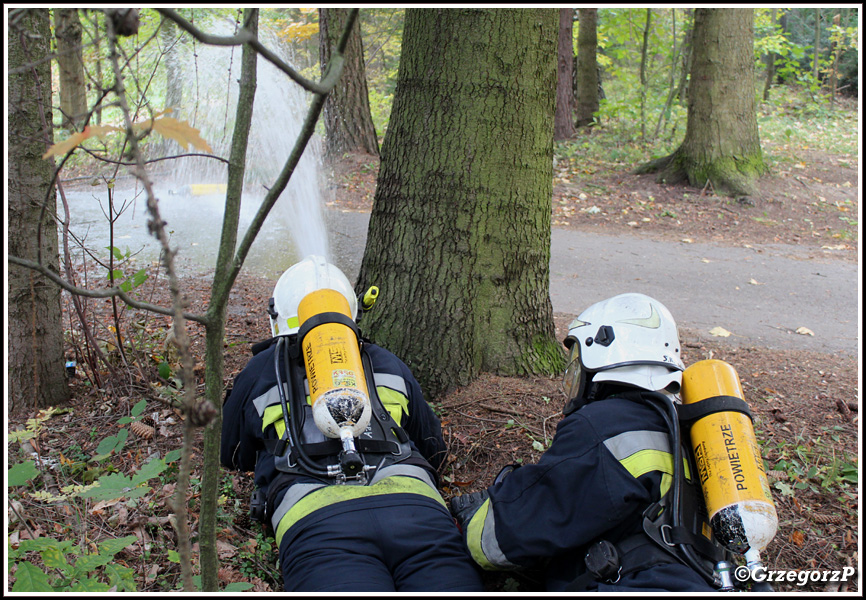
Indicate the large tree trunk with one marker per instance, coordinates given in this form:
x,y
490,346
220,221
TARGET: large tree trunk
x,y
36,361
587,67
721,146
459,236
563,126
73,93
348,122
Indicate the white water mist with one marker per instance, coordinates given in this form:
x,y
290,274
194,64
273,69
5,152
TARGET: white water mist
x,y
295,226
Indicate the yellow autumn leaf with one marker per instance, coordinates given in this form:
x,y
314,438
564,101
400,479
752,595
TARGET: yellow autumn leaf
x,y
299,32
805,331
74,140
719,332
180,131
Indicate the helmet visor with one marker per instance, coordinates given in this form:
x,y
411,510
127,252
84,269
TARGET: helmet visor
x,y
571,378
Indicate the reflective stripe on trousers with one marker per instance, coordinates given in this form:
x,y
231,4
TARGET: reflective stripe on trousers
x,y
300,501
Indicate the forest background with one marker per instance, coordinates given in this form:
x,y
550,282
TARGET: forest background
x,y
93,511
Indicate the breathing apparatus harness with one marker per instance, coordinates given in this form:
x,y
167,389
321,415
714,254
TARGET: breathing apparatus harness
x,y
674,523
303,450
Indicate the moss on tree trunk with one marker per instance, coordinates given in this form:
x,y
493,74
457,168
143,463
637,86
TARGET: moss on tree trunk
x,y
721,146
459,236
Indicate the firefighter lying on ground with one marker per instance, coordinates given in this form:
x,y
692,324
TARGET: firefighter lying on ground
x,y
578,514
358,513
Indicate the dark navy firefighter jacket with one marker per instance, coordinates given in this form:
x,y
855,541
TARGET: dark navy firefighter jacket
x,y
252,412
608,462
393,534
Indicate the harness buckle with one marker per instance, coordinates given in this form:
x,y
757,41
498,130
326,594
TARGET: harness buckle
x,y
340,478
665,530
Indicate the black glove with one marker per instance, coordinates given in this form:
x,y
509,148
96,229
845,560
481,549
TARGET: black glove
x,y
466,505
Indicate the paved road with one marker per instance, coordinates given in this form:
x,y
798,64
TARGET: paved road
x,y
760,295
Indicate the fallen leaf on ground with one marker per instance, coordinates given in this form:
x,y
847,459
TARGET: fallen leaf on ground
x,y
805,331
719,332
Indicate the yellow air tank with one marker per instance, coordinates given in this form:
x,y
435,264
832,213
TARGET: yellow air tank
x,y
739,503
332,357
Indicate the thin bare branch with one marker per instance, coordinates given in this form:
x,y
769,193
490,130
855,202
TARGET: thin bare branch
x,y
112,292
244,36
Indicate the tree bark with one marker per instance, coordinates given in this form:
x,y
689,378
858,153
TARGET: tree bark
x,y
73,90
643,74
173,79
169,40
587,67
771,62
687,55
36,359
459,236
721,147
348,121
563,126
816,55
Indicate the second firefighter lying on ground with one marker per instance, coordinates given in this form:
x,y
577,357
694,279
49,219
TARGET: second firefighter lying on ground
x,y
611,505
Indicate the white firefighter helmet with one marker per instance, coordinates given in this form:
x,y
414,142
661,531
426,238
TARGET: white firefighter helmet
x,y
630,339
311,274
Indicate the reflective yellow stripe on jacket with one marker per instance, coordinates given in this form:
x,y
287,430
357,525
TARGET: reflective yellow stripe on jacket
x,y
639,452
391,390
642,452
302,499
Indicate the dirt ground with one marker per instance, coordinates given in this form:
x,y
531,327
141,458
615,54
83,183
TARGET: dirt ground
x,y
806,405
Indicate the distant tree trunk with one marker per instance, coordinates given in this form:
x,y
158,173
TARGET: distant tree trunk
x,y
817,54
587,67
771,62
722,146
643,75
834,56
563,126
348,121
687,54
73,91
677,50
459,236
97,48
173,82
36,360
